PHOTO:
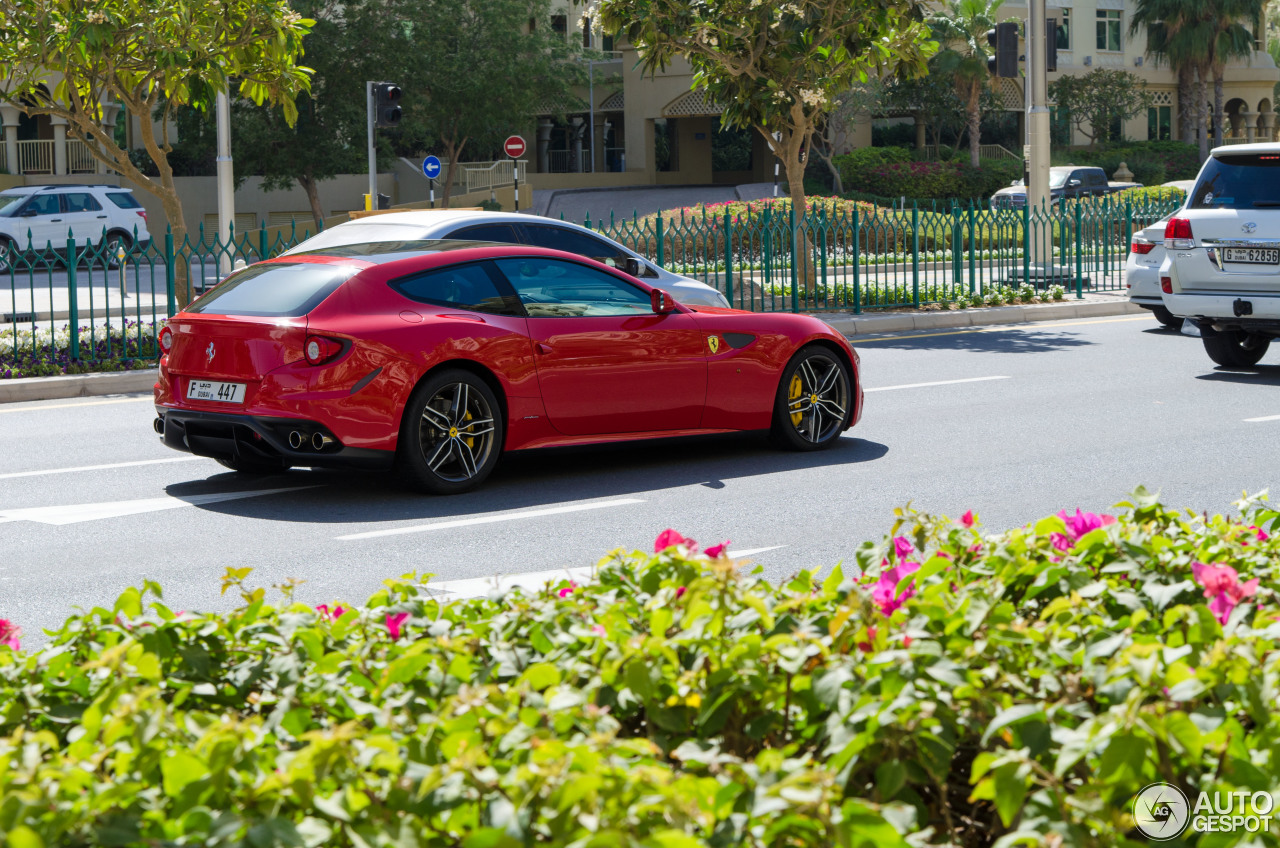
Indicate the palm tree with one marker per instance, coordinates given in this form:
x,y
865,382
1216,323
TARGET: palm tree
x,y
1231,39
962,32
1181,33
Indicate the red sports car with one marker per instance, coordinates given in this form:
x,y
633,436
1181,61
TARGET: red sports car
x,y
436,356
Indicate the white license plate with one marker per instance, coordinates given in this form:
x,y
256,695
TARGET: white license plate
x,y
1254,255
221,392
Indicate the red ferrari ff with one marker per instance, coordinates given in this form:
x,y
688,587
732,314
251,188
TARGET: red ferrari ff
x,y
436,356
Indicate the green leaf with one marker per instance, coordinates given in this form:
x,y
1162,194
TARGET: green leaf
x,y
1013,715
541,676
24,837
890,776
180,769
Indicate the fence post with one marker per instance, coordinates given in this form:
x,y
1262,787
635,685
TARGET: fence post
x,y
661,263
587,221
1026,241
795,256
1128,228
263,249
857,263
915,255
822,254
73,306
973,242
1079,258
169,272
728,258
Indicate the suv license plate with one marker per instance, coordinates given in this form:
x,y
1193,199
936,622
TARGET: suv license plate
x,y
1254,255
220,392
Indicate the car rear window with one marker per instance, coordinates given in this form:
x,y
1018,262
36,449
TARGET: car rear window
x,y
274,290
1238,181
124,200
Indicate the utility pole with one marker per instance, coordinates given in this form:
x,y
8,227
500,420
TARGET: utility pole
x,y
1037,112
226,182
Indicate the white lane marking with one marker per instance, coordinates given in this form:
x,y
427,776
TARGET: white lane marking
x,y
147,399
1265,418
937,383
13,474
489,519
480,587
76,513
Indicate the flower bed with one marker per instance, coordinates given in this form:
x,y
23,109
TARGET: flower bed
x,y
47,353
950,687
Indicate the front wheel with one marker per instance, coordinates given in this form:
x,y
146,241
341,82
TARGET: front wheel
x,y
814,401
8,254
1167,318
1234,348
452,434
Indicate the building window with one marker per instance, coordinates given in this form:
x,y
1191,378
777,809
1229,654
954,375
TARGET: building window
x,y
1159,123
560,24
1109,30
1064,30
586,33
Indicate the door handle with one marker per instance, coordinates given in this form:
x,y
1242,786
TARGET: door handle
x,y
102,216
55,220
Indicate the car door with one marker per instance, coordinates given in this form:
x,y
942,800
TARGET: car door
x,y
84,216
606,362
41,221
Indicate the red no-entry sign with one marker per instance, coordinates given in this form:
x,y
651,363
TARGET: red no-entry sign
x,y
514,146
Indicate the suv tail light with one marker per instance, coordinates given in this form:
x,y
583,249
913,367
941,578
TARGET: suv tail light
x,y
1141,246
1166,285
320,350
1177,234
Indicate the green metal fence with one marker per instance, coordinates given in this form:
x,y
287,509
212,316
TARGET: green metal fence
x,y
860,258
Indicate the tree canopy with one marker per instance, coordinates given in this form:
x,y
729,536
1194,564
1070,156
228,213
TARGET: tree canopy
x,y
1099,99
66,58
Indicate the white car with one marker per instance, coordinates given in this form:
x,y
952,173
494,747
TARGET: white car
x,y
1142,272
1222,254
513,228
34,219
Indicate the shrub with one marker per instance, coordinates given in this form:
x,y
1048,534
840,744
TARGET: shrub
x,y
1152,162
955,180
44,353
951,688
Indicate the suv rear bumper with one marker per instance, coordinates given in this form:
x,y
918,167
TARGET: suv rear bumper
x,y
1222,307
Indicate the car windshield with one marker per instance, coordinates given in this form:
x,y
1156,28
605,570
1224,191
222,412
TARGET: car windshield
x,y
274,290
10,202
1238,181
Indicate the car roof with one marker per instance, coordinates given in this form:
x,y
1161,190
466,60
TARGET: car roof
x,y
1257,147
385,252
32,189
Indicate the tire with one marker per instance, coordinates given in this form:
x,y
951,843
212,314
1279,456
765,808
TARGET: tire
x,y
452,434
8,253
251,465
1234,348
111,244
814,401
1167,318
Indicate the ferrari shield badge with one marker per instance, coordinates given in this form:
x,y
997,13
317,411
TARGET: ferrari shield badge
x,y
713,342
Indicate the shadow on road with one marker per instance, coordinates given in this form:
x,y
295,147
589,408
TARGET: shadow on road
x,y
1258,375
523,479
1015,339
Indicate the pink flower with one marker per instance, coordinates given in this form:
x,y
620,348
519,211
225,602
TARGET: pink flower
x,y
884,593
1061,541
394,620
716,551
865,647
1222,586
335,613
323,609
669,539
967,519
1084,522
568,590
9,634
906,641
1262,534
902,547
338,611
680,591
598,629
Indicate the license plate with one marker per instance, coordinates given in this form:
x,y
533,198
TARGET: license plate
x,y
221,392
1254,255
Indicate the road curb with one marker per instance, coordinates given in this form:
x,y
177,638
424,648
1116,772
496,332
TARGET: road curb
x,y
899,322
77,385
116,383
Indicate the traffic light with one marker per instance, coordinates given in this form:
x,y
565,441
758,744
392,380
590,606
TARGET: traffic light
x,y
386,104
1004,41
1051,41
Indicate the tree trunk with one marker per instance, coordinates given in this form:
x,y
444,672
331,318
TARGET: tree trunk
x,y
789,149
312,189
1186,99
1202,112
974,108
837,185
1218,71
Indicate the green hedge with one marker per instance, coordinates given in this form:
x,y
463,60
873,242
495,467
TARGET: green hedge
x,y
1152,162
888,174
947,687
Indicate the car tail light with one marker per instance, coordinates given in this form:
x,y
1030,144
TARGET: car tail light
x,y
1177,234
1166,285
142,212
166,339
320,350
1142,247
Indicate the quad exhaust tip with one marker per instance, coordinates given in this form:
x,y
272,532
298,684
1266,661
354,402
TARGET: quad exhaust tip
x,y
318,441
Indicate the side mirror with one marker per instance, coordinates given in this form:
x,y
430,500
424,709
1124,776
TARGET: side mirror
x,y
1073,182
661,302
631,265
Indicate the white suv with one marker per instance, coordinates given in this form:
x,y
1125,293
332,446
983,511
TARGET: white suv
x,y
35,219
1222,254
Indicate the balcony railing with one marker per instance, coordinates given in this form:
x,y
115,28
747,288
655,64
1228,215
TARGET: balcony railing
x,y
35,157
79,159
481,175
561,161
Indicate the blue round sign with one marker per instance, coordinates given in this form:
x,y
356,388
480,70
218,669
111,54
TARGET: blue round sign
x,y
431,167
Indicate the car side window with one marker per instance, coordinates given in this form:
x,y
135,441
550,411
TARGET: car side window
x,y
487,232
465,286
571,241
43,204
81,202
553,288
1093,178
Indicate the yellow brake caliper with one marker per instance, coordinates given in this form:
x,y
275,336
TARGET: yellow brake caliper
x,y
797,389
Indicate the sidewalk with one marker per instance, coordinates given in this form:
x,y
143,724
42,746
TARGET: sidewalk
x,y
1094,305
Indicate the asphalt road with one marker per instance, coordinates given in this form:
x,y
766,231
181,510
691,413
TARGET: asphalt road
x,y
1012,422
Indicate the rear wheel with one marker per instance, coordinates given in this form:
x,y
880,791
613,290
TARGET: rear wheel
x,y
112,245
8,254
1234,348
452,434
1167,318
253,465
814,401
